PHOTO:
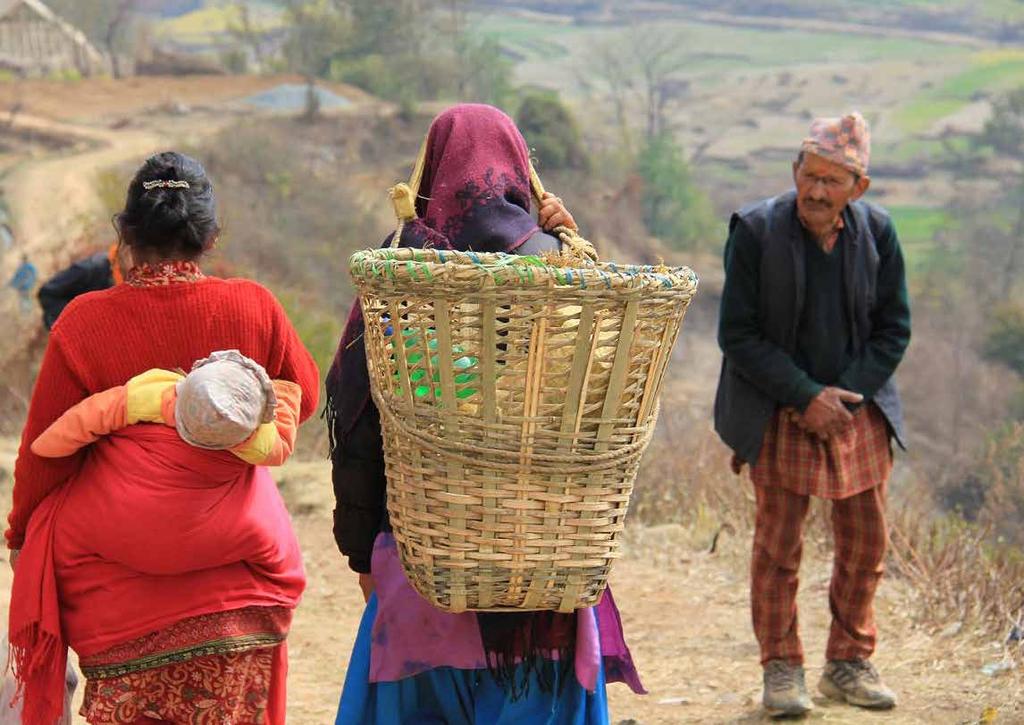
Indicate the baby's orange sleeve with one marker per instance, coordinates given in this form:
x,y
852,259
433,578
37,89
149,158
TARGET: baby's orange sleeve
x,y
84,423
147,398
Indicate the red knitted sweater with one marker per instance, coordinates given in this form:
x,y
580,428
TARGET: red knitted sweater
x,y
104,338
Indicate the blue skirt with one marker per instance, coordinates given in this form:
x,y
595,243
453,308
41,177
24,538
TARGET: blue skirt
x,y
448,696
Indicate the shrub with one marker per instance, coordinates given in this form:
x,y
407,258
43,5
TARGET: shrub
x,y
552,133
404,79
674,207
1004,340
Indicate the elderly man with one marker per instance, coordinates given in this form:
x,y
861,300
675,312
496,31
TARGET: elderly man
x,y
814,322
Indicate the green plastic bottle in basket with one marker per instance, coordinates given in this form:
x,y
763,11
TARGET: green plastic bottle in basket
x,y
463,365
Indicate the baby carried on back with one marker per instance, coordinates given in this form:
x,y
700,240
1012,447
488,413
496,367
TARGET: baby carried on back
x,y
152,531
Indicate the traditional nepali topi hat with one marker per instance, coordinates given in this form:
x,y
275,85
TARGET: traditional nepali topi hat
x,y
845,141
225,398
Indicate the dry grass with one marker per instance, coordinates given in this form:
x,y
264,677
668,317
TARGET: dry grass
x,y
963,579
683,480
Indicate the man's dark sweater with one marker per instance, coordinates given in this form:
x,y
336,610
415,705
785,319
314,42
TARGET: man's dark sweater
x,y
824,347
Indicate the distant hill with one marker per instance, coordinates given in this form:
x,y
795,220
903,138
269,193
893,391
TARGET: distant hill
x,y
169,8
201,27
1001,20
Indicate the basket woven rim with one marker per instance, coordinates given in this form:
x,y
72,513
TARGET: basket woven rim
x,y
433,266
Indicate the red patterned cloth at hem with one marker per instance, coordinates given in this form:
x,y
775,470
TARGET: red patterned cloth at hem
x,y
858,459
211,669
230,689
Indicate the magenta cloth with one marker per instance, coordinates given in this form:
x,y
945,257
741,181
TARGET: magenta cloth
x,y
475,188
410,635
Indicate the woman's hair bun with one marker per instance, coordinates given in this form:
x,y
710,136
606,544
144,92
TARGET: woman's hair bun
x,y
170,207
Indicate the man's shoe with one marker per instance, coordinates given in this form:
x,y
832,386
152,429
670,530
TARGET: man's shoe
x,y
785,692
856,682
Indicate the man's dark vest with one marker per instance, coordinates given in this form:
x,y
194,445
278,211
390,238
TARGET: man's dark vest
x,y
742,411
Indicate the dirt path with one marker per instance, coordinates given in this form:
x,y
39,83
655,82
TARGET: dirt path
x,y
53,199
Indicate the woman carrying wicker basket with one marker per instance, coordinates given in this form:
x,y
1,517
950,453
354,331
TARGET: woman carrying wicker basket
x,y
413,662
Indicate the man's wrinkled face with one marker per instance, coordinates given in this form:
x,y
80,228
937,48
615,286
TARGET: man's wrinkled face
x,y
823,189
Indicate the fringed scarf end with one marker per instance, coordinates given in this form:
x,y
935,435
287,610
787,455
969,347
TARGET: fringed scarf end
x,y
514,674
39,661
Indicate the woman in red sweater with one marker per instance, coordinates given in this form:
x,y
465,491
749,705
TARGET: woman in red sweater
x,y
192,637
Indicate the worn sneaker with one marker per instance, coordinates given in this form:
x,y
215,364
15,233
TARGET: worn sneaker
x,y
785,692
856,682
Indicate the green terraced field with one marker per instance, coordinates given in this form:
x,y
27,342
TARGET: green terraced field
x,y
204,26
917,227
714,47
985,74
918,224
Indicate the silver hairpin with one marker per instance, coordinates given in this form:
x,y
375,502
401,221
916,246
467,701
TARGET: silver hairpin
x,y
165,184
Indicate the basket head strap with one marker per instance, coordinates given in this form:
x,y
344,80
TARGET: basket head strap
x,y
536,185
403,196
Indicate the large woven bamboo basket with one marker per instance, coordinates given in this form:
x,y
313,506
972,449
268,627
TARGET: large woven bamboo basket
x,y
516,397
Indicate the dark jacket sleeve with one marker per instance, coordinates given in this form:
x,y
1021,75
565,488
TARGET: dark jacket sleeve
x,y
359,489
539,243
890,323
760,361
86,275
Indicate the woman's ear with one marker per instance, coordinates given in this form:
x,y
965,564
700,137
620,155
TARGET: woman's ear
x,y
123,257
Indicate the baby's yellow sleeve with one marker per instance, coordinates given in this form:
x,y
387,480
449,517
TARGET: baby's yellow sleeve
x,y
272,443
146,394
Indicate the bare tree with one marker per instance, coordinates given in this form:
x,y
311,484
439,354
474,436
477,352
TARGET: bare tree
x,y
317,31
605,65
119,20
638,72
457,11
658,56
248,33
106,22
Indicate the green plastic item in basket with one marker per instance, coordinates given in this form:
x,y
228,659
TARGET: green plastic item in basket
x,y
418,376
